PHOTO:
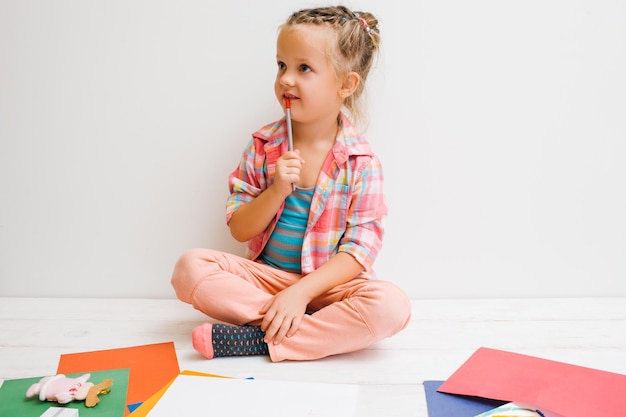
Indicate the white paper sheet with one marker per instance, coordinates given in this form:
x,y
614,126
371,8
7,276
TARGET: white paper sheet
x,y
202,396
516,409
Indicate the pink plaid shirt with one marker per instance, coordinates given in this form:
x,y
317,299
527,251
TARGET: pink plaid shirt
x,y
348,205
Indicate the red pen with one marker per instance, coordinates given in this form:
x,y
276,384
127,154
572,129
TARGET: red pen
x,y
289,130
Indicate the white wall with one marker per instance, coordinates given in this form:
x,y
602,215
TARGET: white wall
x,y
501,125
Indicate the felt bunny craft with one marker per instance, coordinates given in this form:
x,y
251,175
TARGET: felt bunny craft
x,y
63,390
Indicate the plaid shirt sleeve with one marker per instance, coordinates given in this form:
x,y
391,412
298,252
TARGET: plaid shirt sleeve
x,y
363,236
254,174
348,211
243,186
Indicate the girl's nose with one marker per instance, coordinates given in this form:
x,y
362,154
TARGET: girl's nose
x,y
286,79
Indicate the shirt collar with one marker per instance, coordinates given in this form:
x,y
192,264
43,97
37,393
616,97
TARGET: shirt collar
x,y
349,141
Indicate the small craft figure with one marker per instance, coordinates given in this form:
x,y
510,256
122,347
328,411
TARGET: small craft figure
x,y
63,389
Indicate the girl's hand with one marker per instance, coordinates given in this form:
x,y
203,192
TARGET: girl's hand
x,y
288,168
283,314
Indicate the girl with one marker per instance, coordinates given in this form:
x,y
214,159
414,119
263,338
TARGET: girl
x,y
312,217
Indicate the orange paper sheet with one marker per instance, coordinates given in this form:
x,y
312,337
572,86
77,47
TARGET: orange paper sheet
x,y
151,367
569,390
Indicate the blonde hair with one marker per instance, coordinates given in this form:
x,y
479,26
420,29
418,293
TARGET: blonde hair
x,y
358,40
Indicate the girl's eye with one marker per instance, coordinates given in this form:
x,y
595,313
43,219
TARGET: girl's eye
x,y
305,68
281,65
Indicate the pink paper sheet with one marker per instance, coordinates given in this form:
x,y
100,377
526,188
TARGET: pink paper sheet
x,y
570,390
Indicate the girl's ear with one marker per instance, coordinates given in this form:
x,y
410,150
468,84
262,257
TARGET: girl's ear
x,y
350,83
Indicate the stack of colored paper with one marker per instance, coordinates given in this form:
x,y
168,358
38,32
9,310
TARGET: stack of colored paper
x,y
137,373
543,387
151,367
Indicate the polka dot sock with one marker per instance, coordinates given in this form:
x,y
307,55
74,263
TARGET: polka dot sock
x,y
218,340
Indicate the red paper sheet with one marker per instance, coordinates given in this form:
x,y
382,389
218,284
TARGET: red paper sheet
x,y
151,367
570,390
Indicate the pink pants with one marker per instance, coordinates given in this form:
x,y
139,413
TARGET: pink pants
x,y
347,318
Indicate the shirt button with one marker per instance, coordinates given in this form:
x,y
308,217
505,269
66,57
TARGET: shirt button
x,y
306,261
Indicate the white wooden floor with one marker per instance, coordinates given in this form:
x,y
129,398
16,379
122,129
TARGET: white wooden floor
x,y
442,335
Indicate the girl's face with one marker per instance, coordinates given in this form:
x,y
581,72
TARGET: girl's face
x,y
305,73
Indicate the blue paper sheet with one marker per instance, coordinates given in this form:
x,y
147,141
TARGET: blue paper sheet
x,y
440,404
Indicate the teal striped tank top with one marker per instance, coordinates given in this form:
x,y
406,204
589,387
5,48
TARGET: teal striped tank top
x,y
284,248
